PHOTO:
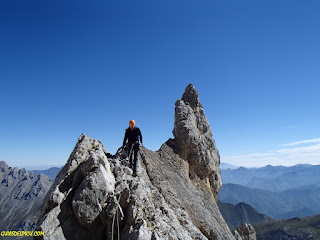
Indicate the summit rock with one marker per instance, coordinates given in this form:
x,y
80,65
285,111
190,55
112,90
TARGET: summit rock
x,y
174,196
194,141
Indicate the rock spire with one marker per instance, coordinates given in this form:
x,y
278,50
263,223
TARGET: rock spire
x,y
194,141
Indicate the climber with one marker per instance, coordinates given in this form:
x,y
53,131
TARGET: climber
x,y
133,135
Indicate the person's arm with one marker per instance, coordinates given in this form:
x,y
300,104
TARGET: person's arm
x,y
140,137
125,139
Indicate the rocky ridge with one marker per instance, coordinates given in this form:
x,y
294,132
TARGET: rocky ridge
x,y
94,196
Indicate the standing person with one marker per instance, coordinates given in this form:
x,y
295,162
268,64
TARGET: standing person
x,y
133,135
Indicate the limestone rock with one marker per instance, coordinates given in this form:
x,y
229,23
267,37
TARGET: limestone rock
x,y
193,139
174,196
79,193
245,232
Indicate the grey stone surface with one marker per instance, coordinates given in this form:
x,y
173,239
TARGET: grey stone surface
x,y
193,139
79,194
245,232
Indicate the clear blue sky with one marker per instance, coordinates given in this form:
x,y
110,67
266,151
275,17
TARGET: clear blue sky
x,y
68,67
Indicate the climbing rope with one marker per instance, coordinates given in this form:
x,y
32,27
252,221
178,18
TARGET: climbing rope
x,y
116,214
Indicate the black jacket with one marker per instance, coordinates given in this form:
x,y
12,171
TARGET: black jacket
x,y
132,136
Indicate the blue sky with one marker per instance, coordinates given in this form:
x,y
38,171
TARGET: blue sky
x,y
68,67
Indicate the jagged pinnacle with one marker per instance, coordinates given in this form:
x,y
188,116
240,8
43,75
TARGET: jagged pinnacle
x,y
191,95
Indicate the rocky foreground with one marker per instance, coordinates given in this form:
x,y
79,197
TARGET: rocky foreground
x,y
94,196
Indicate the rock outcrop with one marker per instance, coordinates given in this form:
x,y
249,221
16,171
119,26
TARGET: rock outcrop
x,y
21,197
193,140
245,232
94,196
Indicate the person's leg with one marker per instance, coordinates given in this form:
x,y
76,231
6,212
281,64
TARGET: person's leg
x,y
130,155
136,151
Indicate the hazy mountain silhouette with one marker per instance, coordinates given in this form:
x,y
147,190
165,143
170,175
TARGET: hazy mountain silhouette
x,y
274,178
284,204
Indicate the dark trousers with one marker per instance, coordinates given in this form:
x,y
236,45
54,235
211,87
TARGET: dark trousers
x,y
134,149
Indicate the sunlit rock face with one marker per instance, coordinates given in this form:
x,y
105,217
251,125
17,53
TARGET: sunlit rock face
x,y
193,140
174,195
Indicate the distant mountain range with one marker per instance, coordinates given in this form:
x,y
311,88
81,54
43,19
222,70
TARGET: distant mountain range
x,y
21,196
280,205
228,166
235,215
51,172
274,178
